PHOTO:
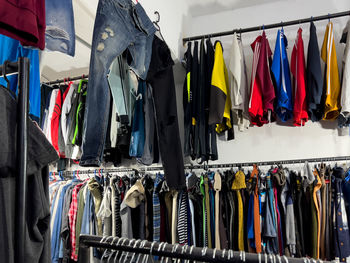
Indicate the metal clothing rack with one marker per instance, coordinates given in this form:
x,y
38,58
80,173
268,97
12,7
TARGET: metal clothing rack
x,y
212,166
131,246
21,67
66,79
269,26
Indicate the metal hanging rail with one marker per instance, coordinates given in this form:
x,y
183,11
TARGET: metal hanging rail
x,y
269,26
66,79
131,247
211,166
21,67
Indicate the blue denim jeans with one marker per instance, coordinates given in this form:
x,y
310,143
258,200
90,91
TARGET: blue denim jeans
x,y
119,26
60,32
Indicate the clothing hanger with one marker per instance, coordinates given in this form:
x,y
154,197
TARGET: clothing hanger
x,y
157,25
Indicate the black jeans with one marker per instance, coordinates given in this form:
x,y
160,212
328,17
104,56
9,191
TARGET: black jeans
x,y
161,78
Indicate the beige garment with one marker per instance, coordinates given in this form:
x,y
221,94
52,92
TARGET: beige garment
x,y
174,219
217,188
135,195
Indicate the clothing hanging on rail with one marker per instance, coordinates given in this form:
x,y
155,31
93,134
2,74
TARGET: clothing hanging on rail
x,y
40,155
343,119
297,65
262,94
332,83
11,49
280,210
281,73
26,22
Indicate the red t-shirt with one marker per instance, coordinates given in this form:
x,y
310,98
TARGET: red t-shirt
x,y
55,121
262,93
24,20
298,72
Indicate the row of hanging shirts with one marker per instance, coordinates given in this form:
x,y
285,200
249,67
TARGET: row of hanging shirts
x,y
217,94
275,210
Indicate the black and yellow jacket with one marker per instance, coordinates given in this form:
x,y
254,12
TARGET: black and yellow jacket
x,y
220,103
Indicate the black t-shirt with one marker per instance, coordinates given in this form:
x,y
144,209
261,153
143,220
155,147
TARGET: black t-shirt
x,y
40,154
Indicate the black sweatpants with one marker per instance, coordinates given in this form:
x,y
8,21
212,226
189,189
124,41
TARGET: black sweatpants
x,y
161,78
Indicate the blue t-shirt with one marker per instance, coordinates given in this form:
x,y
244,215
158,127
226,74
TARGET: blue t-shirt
x,y
281,73
11,49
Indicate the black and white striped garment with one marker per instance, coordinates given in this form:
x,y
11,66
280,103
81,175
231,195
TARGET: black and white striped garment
x,y
182,220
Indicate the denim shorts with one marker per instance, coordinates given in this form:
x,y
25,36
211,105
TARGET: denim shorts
x,y
119,26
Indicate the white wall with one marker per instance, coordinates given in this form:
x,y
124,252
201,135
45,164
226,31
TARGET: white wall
x,y
183,18
274,141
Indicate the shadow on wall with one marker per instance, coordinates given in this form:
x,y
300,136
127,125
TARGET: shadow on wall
x,y
208,7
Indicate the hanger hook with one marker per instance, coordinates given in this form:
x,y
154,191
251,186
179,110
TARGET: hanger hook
x,y
158,16
329,17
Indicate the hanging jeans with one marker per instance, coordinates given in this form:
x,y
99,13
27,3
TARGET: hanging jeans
x,y
60,31
119,26
161,78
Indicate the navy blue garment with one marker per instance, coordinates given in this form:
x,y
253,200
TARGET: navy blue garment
x,y
281,73
314,79
340,221
137,142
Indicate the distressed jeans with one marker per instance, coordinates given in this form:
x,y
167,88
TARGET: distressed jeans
x,y
119,26
60,32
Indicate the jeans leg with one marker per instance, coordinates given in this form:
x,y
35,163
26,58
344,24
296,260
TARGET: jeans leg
x,y
110,39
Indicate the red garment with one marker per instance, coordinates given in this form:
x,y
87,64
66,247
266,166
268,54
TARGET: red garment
x,y
298,71
73,209
55,120
24,20
262,93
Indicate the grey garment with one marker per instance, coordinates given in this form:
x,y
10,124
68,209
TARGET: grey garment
x,y
114,127
40,154
71,124
288,208
148,107
64,233
122,88
125,214
307,175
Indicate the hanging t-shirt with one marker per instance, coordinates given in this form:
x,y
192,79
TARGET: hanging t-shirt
x,y
298,70
332,84
11,49
238,85
281,73
344,117
262,92
314,77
